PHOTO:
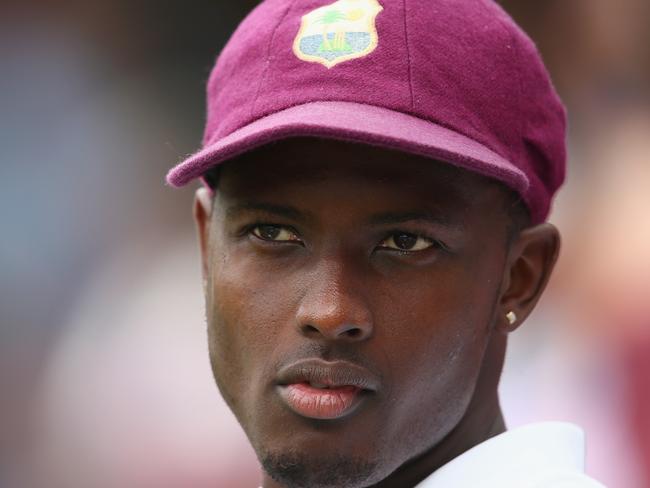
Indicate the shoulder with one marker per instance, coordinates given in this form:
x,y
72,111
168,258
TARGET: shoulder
x,y
544,455
568,480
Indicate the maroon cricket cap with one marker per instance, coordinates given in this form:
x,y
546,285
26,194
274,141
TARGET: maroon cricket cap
x,y
453,80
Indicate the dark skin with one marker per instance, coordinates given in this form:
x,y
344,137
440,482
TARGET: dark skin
x,y
404,266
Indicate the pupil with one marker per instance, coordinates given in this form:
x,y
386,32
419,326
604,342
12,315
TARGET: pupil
x,y
405,241
269,232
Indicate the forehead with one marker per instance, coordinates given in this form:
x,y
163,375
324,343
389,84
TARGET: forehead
x,y
310,165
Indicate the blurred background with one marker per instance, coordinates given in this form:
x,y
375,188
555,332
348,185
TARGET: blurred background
x,y
104,374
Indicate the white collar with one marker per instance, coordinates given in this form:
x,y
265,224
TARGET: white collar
x,y
549,454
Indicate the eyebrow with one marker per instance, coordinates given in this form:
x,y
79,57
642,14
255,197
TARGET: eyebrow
x,y
269,208
401,218
388,218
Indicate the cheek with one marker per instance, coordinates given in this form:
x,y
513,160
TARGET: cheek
x,y
439,313
438,335
436,364
245,311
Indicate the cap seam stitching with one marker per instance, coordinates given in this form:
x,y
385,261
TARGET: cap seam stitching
x,y
528,194
408,57
268,56
523,118
517,52
517,48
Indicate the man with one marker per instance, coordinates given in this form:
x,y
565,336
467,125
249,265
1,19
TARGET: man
x,y
377,176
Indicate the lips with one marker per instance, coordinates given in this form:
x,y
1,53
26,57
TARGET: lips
x,y
322,390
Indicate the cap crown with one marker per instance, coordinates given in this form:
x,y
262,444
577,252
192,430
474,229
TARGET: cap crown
x,y
461,64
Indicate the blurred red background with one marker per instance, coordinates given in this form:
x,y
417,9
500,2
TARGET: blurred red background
x,y
105,378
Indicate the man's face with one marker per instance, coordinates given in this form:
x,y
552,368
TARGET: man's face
x,y
351,296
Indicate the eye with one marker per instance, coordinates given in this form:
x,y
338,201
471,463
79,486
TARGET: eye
x,y
407,242
275,233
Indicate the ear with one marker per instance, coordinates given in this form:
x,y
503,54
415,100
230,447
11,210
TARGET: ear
x,y
202,211
531,260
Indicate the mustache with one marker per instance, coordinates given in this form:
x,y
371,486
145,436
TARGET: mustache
x,y
348,353
326,352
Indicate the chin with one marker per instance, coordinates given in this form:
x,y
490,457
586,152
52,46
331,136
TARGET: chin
x,y
314,470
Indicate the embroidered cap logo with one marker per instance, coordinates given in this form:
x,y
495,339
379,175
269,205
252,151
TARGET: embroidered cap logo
x,y
342,31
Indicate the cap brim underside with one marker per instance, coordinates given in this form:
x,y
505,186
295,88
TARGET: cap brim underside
x,y
354,122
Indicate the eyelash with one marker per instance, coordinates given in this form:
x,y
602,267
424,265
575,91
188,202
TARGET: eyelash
x,y
435,244
248,231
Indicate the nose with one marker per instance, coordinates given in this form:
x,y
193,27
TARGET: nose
x,y
333,307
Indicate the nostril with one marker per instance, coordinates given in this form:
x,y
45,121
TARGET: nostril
x,y
310,329
342,332
353,333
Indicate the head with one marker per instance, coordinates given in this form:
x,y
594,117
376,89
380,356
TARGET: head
x,y
359,294
382,275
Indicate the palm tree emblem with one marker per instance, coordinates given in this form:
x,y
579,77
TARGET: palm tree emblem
x,y
341,31
330,18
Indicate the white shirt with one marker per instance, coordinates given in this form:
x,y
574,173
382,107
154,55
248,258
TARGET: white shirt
x,y
542,455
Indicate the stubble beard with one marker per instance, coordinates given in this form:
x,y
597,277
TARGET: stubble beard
x,y
300,470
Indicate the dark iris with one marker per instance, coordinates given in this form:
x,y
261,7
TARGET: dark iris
x,y
405,241
270,232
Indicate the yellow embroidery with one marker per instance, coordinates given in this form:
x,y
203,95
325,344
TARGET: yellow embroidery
x,y
341,31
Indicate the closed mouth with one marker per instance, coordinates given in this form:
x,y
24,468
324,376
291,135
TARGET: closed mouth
x,y
324,390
